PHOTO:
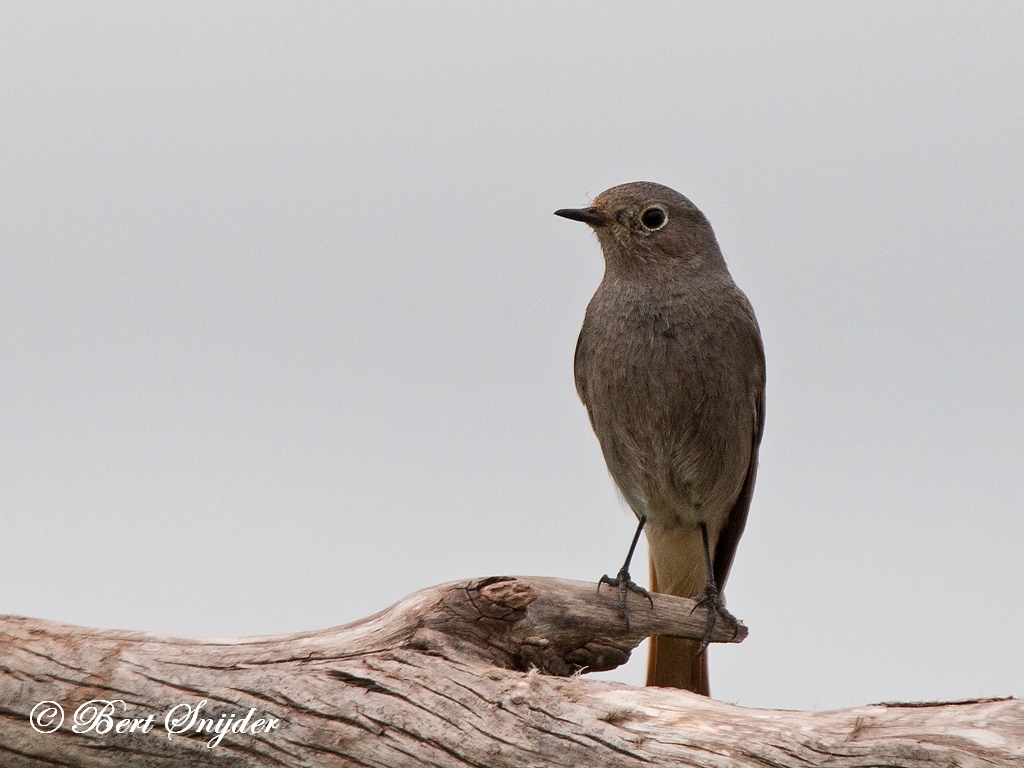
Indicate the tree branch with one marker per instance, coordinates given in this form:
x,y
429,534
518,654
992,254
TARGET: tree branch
x,y
472,673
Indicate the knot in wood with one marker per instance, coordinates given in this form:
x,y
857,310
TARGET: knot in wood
x,y
501,598
511,594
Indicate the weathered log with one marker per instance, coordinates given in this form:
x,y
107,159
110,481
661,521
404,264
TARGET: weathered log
x,y
478,673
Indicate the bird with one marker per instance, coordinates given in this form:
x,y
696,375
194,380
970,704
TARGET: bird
x,y
670,366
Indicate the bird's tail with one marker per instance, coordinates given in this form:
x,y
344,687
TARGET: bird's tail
x,y
672,662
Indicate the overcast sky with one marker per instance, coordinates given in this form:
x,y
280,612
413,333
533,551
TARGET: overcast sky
x,y
287,325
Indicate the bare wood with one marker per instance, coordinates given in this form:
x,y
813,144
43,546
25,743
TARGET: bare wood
x,y
475,673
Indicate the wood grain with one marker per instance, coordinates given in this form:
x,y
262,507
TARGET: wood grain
x,y
472,673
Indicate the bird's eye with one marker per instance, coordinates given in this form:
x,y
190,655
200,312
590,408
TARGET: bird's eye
x,y
653,218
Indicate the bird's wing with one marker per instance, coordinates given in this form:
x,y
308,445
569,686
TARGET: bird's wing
x,y
578,370
734,524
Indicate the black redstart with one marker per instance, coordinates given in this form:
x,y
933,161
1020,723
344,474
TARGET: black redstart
x,y
670,366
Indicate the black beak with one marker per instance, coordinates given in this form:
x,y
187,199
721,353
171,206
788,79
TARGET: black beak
x,y
590,216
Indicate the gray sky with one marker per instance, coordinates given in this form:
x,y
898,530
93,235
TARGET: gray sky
x,y
287,324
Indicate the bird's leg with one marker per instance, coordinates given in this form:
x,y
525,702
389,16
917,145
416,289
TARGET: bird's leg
x,y
711,598
622,579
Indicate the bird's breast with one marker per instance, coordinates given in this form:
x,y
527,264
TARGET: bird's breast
x,y
668,386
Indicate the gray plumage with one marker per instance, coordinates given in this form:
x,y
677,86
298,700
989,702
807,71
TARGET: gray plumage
x,y
670,367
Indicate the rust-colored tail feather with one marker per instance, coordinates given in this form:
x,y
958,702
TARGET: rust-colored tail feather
x,y
673,663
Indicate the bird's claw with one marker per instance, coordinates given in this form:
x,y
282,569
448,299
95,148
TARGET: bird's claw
x,y
713,602
625,585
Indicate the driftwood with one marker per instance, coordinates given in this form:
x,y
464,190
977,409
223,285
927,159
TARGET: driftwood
x,y
475,673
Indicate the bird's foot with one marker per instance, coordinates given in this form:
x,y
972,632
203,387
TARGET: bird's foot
x,y
712,600
625,584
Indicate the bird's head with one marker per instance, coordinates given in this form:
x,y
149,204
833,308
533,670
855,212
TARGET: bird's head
x,y
642,223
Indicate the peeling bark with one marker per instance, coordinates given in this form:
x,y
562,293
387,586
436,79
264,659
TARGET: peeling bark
x,y
474,673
